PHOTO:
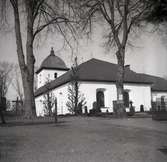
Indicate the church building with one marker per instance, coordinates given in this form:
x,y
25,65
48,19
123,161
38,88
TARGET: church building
x,y
97,83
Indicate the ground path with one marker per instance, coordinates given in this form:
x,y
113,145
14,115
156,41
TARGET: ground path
x,y
86,139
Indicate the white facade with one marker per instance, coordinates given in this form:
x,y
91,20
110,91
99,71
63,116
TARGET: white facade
x,y
60,94
48,74
139,94
96,93
89,90
157,95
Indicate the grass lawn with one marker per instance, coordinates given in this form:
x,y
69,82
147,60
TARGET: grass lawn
x,y
85,139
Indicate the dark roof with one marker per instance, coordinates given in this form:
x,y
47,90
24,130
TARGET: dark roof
x,y
159,84
52,62
99,71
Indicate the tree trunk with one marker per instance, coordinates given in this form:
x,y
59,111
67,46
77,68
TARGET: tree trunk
x,y
55,114
27,71
120,111
1,106
30,61
76,97
29,102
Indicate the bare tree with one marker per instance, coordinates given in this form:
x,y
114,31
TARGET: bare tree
x,y
5,81
120,16
6,77
76,100
39,15
1,106
49,100
17,83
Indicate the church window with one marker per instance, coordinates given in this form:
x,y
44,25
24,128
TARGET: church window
x,y
55,75
126,98
100,99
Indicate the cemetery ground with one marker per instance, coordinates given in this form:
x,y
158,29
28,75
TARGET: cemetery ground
x,y
85,139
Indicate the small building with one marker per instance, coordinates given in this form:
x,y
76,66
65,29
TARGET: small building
x,y
97,83
159,88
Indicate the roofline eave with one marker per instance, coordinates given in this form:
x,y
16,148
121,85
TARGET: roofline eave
x,y
85,80
50,68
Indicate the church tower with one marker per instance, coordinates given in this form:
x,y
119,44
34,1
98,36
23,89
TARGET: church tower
x,y
51,68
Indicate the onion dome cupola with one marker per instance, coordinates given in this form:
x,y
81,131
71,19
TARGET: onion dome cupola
x,y
52,62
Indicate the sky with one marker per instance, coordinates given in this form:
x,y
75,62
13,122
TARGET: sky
x,y
149,54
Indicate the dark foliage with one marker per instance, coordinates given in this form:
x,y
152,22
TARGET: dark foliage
x,y
158,11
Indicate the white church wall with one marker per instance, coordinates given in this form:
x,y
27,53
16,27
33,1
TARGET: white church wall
x,y
139,94
89,90
61,94
39,106
48,74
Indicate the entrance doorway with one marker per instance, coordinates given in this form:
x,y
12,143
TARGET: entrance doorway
x,y
126,98
100,99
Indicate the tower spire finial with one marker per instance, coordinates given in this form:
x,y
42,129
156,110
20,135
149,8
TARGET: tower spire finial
x,y
52,51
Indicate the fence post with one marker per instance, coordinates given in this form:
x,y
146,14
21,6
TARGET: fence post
x,y
55,114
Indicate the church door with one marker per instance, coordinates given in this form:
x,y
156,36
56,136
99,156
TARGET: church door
x,y
100,99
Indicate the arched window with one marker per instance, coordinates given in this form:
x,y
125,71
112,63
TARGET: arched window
x,y
55,75
126,98
100,99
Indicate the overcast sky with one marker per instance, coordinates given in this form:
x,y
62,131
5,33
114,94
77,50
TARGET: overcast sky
x,y
148,56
